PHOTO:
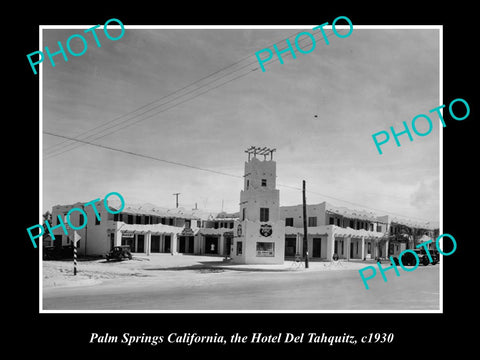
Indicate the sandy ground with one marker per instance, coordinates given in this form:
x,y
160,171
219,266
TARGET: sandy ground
x,y
184,283
91,272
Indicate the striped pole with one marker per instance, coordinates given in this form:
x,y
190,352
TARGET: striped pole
x,y
74,257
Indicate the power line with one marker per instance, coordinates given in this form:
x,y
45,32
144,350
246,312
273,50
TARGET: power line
x,y
353,203
141,155
217,172
174,92
75,145
193,90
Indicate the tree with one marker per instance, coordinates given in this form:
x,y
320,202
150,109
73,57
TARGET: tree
x,y
47,215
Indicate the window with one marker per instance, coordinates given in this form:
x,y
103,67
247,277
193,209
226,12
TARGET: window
x,y
331,221
379,228
199,223
352,224
248,183
170,222
81,220
130,219
312,221
138,219
264,214
239,248
97,222
243,214
115,217
265,249
338,222
264,182
289,222
231,225
371,226
215,225
187,224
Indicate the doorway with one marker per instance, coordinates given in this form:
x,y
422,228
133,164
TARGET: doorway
x,y
167,246
317,248
211,245
290,246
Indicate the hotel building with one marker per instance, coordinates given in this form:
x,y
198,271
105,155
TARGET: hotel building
x,y
262,232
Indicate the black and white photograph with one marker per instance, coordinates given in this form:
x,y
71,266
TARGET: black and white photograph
x,y
243,180
204,138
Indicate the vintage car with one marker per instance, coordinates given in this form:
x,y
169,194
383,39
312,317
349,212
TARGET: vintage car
x,y
119,253
408,259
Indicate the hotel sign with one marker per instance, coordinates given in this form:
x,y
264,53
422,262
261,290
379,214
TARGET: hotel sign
x,y
187,232
266,230
127,235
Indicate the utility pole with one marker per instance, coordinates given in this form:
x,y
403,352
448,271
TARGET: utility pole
x,y
176,196
305,229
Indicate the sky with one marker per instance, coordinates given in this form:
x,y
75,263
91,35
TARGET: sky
x,y
318,110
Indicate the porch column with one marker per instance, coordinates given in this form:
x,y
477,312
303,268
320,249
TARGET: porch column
x,y
173,243
386,249
148,241
349,240
298,245
363,247
118,238
221,247
330,242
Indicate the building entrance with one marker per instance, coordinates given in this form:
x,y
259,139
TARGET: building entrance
x,y
290,247
317,248
211,245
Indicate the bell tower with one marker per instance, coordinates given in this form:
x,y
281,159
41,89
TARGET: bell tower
x,y
260,234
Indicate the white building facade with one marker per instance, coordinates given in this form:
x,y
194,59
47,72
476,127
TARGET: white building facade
x,y
259,231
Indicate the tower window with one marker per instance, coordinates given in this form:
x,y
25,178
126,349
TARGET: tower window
x,y
264,214
243,214
264,182
248,183
312,221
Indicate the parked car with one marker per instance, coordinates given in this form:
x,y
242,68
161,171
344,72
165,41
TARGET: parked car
x,y
119,253
408,259
435,256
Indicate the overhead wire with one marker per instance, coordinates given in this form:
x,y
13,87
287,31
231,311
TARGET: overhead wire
x,y
219,172
76,140
57,152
